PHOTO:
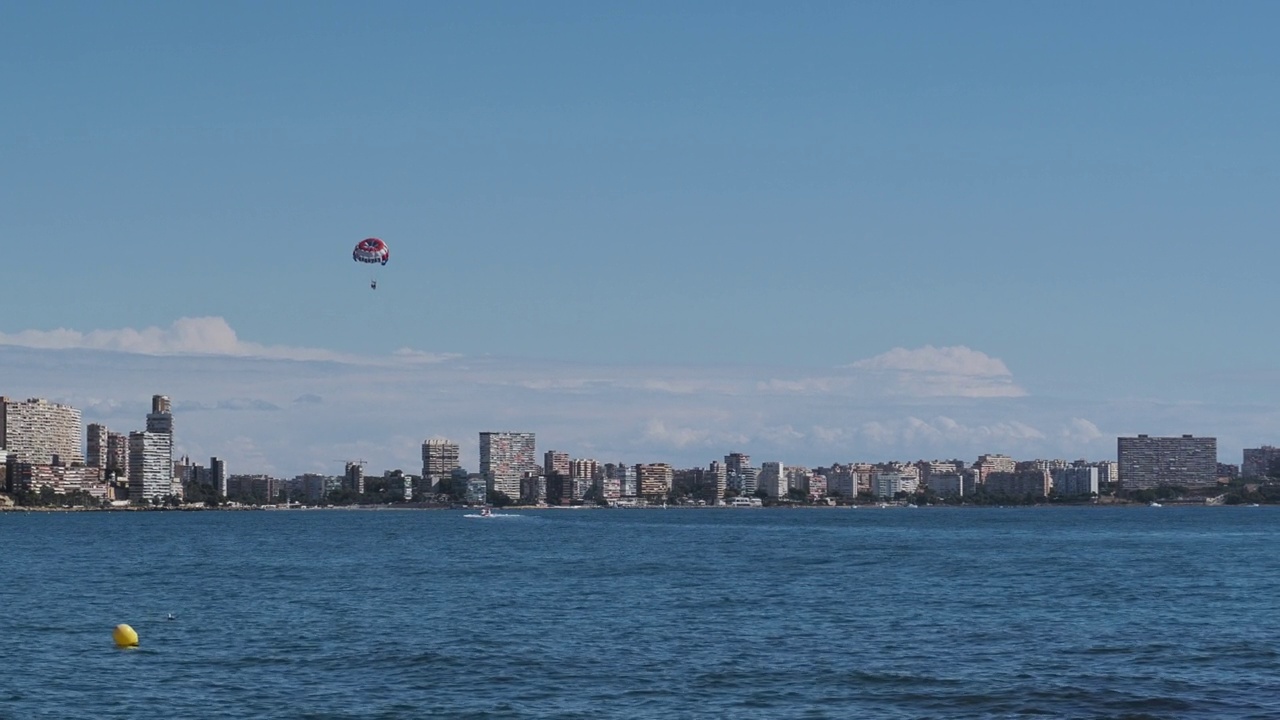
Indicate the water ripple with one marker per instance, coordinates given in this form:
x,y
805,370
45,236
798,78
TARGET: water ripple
x,y
1001,613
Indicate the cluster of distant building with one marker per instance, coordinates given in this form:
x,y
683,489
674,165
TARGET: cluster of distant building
x,y
508,465
510,471
40,444
41,450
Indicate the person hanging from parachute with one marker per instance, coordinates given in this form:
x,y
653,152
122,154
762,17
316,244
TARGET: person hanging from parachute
x,y
374,252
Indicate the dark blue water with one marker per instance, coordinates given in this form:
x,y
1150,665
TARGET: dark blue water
x,y
738,613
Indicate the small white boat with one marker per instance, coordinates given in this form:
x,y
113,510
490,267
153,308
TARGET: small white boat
x,y
1155,504
488,513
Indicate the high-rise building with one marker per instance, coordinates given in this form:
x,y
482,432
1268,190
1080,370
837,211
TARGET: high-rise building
x,y
1260,462
60,479
582,477
1108,473
1075,480
118,454
159,422
798,478
1148,462
886,483
817,486
316,488
994,463
928,468
439,460
554,461
1041,464
1035,483
534,489
950,483
160,419
353,478
735,462
37,431
718,479
185,471
150,466
218,475
262,488
96,445
653,481
625,475
505,457
583,469
772,479
842,481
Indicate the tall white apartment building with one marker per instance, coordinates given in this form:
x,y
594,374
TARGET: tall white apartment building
x,y
719,476
150,466
159,422
36,431
772,478
505,457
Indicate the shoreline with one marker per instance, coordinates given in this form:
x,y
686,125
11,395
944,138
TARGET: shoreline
x,y
525,508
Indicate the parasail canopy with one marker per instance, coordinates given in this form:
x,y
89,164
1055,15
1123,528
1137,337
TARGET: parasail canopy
x,y
371,250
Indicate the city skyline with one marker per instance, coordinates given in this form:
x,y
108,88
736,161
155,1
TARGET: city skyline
x,y
844,230
290,417
41,442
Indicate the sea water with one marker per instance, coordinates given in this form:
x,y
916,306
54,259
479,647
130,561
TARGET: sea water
x,y
728,613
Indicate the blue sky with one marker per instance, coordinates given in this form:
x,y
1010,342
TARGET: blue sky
x,y
1032,216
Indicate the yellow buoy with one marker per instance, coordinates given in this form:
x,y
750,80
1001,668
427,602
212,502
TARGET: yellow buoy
x,y
125,636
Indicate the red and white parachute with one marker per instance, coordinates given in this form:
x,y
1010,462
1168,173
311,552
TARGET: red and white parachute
x,y
371,250
374,252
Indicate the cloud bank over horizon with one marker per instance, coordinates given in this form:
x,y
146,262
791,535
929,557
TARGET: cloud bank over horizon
x,y
209,335
287,410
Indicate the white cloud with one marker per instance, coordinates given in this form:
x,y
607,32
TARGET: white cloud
x,y
308,417
1079,430
954,360
186,336
206,336
418,356
955,371
226,404
945,435
680,437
